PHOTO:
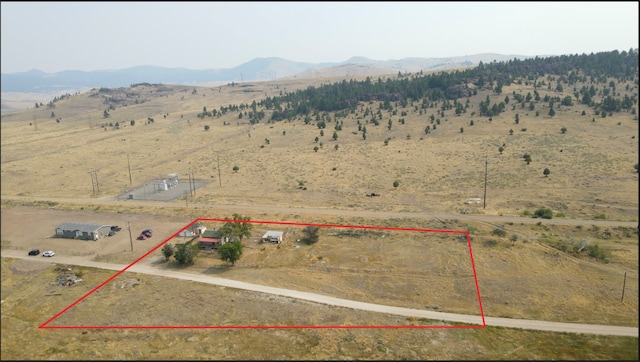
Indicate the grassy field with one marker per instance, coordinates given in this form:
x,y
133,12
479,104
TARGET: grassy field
x,y
592,164
523,279
529,272
29,298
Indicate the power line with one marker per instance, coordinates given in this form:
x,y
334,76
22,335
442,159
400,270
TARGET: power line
x,y
486,163
130,238
219,175
129,164
192,183
94,181
193,179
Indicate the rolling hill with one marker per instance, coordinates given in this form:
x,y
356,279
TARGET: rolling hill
x,y
258,69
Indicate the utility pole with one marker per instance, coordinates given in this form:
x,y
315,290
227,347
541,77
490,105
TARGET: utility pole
x,y
129,164
94,181
219,176
130,237
192,183
93,184
486,162
189,176
193,178
624,281
97,184
191,190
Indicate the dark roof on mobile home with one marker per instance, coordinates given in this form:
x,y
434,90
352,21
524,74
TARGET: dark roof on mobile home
x,y
85,227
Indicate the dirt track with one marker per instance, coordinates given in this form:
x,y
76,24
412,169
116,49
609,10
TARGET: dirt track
x,y
491,219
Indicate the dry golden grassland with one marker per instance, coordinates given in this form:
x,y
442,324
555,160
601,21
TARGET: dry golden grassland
x,y
524,279
591,164
270,344
30,297
592,178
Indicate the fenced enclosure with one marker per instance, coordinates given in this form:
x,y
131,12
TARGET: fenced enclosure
x,y
156,191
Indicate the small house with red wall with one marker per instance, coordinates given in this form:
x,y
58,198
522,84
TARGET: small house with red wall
x,y
210,240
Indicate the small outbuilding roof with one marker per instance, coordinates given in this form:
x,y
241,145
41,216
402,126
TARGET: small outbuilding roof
x,y
272,234
196,226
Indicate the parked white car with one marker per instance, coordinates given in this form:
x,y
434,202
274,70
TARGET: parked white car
x,y
49,253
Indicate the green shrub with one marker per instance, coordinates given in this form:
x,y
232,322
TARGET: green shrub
x,y
490,242
563,245
596,252
499,232
471,229
544,213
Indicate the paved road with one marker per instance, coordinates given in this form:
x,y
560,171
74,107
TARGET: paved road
x,y
491,219
323,299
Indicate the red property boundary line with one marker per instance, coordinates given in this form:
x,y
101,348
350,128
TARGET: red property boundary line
x,y
465,233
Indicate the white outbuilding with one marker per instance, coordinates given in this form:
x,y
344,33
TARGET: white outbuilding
x,y
273,237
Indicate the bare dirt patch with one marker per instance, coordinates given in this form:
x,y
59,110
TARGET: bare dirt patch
x,y
28,267
41,232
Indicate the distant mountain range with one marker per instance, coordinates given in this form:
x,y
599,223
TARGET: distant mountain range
x,y
259,69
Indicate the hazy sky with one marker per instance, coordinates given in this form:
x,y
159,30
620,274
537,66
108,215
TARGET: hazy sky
x,y
57,36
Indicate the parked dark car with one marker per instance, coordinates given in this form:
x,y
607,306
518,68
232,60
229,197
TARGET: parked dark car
x,y
115,228
34,252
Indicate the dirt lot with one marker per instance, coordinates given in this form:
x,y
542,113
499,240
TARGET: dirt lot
x,y
28,228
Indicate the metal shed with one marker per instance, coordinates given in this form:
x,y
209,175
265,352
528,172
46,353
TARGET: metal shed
x,y
193,230
273,237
